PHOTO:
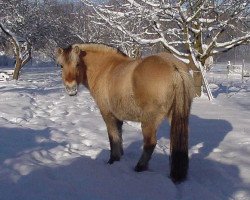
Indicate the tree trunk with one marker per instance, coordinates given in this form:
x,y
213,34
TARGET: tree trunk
x,y
21,49
197,76
18,66
21,62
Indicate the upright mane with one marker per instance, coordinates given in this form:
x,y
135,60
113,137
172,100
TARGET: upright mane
x,y
67,54
99,48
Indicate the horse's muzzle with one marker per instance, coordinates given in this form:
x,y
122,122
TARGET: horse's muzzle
x,y
72,91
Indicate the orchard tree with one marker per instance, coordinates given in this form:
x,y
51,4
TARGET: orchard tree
x,y
193,30
35,25
89,27
11,22
21,48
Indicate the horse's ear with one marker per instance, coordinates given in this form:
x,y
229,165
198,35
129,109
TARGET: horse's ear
x,y
83,53
77,50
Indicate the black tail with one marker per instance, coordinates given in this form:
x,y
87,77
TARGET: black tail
x,y
181,106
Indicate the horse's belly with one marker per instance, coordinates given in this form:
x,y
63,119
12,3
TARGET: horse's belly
x,y
121,97
125,108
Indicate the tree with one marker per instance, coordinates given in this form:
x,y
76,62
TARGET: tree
x,y
34,25
49,23
12,15
21,48
192,30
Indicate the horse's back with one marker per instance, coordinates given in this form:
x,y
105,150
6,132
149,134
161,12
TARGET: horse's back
x,y
142,87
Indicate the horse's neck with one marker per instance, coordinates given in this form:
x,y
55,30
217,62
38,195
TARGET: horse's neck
x,y
98,66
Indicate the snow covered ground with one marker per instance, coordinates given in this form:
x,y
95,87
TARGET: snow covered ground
x,y
55,147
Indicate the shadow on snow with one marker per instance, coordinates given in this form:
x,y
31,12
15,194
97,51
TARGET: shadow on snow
x,y
85,178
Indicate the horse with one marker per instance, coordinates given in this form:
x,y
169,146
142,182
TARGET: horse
x,y
146,90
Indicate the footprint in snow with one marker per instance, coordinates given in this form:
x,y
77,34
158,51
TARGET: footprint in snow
x,y
87,143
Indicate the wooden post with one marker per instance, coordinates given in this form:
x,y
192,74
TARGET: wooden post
x,y
228,71
242,70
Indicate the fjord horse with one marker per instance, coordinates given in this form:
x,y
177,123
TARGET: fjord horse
x,y
144,90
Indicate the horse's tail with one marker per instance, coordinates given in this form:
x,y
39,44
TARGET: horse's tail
x,y
182,99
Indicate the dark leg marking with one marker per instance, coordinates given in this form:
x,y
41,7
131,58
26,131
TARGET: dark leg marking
x,y
114,127
119,127
142,164
115,150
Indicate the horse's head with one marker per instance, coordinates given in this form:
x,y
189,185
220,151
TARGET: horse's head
x,y
71,61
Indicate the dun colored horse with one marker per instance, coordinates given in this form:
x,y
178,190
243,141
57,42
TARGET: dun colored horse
x,y
144,90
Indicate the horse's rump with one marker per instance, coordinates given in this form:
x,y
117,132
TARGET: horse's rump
x,y
154,80
142,87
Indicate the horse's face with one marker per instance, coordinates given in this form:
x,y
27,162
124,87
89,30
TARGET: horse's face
x,y
71,68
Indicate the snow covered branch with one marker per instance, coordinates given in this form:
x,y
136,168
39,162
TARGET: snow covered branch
x,y
221,47
189,29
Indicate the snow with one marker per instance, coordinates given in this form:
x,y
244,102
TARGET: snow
x,y
4,76
185,60
56,147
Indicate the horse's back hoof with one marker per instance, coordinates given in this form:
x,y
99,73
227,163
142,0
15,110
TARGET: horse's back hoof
x,y
113,159
141,168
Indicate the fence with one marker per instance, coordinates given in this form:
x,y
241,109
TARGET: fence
x,y
228,78
242,69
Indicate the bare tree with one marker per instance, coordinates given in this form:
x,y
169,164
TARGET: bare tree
x,y
193,30
12,17
34,25
21,48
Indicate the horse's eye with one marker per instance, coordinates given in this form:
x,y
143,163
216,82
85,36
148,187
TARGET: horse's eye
x,y
61,66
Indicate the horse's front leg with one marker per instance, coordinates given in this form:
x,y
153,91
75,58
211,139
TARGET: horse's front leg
x,y
114,128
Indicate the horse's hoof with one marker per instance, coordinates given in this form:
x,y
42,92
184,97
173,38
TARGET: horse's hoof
x,y
122,152
113,159
141,168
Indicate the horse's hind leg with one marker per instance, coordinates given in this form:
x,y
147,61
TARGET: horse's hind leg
x,y
149,130
119,124
114,128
